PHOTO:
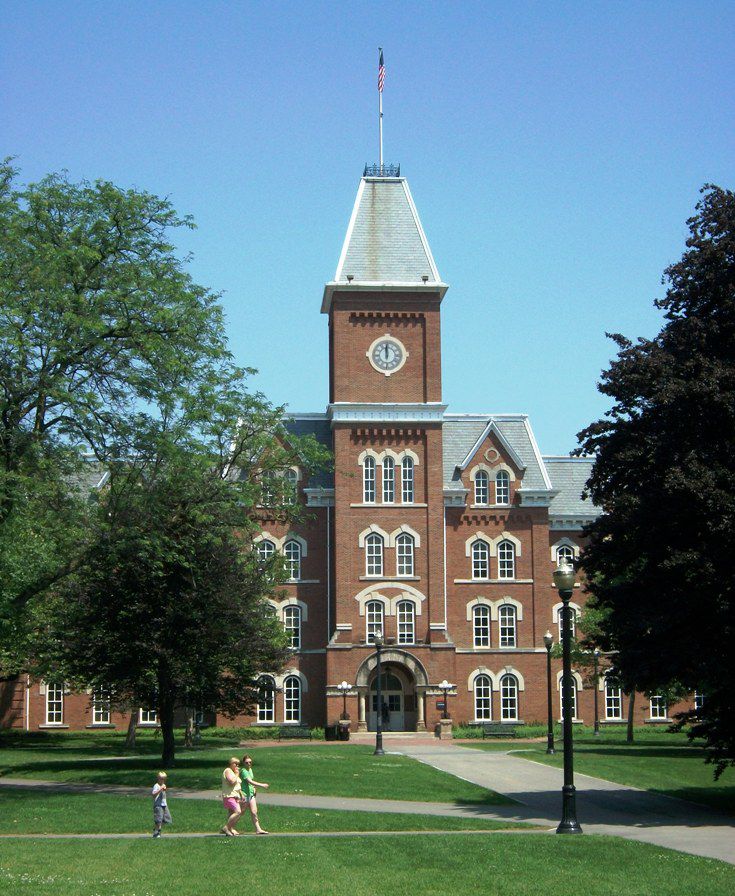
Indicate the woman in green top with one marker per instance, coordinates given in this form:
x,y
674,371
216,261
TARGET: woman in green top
x,y
248,791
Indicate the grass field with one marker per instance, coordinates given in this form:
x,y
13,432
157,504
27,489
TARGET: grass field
x,y
492,864
326,770
660,762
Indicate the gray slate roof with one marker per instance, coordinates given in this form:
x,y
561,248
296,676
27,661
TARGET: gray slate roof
x,y
569,475
318,426
385,242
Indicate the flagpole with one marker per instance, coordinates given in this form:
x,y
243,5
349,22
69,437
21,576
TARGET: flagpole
x,y
380,110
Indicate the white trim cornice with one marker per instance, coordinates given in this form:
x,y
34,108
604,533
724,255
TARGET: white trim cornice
x,y
386,412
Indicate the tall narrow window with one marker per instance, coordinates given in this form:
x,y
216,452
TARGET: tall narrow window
x,y
482,490
659,708
483,699
506,560
480,560
502,487
404,555
389,480
574,698
54,703
292,700
572,621
292,624
407,480
509,698
698,701
266,549
292,552
507,625
613,701
368,480
406,622
374,555
292,484
101,707
266,699
481,626
268,489
373,619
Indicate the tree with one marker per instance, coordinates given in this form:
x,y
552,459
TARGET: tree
x,y
660,557
96,311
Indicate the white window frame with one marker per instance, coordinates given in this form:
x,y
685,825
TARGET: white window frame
x,y
292,625
406,614
483,698
368,480
482,487
374,554
407,480
147,716
658,709
502,488
374,613
101,706
389,480
509,698
480,559
292,485
507,626
405,554
613,702
481,625
54,703
573,613
266,549
292,553
565,552
506,560
267,706
292,700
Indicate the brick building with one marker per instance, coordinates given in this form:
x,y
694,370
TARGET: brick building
x,y
439,530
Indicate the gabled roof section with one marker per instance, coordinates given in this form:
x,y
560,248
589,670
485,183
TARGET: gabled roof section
x,y
492,427
385,246
318,426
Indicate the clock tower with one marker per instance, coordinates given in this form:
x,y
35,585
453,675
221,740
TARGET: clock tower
x,y
386,416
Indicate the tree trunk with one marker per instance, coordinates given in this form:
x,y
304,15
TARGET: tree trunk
x,y
189,732
166,720
631,708
130,736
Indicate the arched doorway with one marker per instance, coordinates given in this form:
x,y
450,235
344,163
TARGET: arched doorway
x,y
402,685
396,697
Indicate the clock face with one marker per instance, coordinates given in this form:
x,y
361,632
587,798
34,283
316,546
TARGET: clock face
x,y
387,355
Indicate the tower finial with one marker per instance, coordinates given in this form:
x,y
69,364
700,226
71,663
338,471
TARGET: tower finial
x,y
381,81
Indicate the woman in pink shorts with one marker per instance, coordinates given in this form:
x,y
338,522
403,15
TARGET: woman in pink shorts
x,y
231,796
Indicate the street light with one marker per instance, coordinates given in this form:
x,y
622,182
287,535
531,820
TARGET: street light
x,y
446,688
378,751
548,641
564,582
596,655
344,688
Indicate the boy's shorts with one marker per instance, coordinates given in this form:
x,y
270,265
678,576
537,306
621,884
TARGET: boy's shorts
x,y
161,815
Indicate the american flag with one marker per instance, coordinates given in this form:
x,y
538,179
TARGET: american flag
x,y
381,73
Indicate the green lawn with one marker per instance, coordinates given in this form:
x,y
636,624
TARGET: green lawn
x,y
494,865
26,812
657,761
347,770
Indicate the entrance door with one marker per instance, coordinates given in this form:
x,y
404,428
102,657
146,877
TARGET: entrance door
x,y
391,694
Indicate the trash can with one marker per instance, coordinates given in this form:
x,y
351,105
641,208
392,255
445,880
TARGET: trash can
x,y
330,732
343,730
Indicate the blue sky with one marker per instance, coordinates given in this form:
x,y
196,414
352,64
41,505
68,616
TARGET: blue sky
x,y
554,152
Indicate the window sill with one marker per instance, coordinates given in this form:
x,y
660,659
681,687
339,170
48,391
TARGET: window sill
x,y
493,581
402,506
48,725
490,506
389,578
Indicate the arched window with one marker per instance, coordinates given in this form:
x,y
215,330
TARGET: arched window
x,y
406,622
292,624
101,706
292,700
292,552
374,555
292,484
613,700
368,480
266,698
268,488
389,480
404,555
266,549
482,489
573,621
565,554
506,560
509,698
373,619
507,624
483,699
54,703
481,626
574,698
407,480
480,560
502,487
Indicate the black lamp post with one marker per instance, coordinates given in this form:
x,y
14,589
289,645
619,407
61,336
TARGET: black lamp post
x,y
378,751
446,688
548,642
344,688
564,581
596,655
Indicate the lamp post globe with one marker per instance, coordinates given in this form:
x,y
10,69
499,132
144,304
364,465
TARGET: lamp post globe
x,y
564,582
344,688
548,644
378,751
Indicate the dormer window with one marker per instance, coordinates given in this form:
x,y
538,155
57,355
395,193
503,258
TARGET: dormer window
x,y
482,489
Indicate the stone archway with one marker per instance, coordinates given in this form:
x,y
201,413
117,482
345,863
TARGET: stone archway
x,y
406,681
